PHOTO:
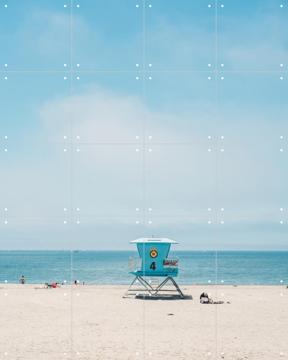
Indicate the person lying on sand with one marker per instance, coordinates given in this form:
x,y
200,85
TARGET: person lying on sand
x,y
53,285
204,299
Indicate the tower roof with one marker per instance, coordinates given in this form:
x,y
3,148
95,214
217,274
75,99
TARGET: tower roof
x,y
153,240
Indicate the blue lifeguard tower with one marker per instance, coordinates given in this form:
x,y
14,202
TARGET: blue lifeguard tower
x,y
154,263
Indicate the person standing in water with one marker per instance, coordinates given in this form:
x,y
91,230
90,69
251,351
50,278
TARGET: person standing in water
x,y
22,280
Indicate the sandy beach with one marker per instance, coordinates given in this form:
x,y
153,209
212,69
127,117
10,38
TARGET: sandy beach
x,y
96,322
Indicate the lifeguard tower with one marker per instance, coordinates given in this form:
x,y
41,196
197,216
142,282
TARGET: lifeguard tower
x,y
154,265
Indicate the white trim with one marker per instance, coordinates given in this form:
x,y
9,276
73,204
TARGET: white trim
x,y
153,240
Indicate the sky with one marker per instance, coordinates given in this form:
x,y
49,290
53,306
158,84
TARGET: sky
x,y
122,120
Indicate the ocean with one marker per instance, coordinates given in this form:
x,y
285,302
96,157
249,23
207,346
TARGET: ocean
x,y
112,267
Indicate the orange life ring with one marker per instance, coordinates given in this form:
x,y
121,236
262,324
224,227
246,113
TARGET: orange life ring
x,y
153,253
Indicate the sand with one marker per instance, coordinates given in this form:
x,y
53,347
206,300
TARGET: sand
x,y
95,322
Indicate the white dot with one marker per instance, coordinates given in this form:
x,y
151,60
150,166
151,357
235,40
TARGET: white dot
x,y
281,137
65,209
5,5
137,150
209,78
222,77
221,137
65,150
281,222
6,281
209,137
78,65
65,6
150,6
137,137
150,137
78,77
137,222
65,78
137,65
221,222
137,209
137,77
222,150
281,78
281,209
281,294
209,150
209,5
150,78
6,222
150,65
6,77
209,222
281,65
149,222
150,209
281,6
6,150
78,150
5,137
78,222
77,5
209,281
222,65
209,209
150,150
281,281
5,209
222,281
6,65
77,209
65,222
64,137
222,209
281,150
137,5
222,5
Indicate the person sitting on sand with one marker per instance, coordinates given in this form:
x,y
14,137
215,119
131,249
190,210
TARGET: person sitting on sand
x,y
204,299
22,280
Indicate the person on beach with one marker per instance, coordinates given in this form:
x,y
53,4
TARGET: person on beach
x,y
22,280
53,285
205,299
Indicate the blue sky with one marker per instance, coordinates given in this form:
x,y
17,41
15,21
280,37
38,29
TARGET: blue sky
x,y
187,109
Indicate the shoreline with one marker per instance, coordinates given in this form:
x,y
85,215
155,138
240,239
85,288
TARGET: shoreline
x,y
79,286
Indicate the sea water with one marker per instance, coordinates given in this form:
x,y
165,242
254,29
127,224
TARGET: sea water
x,y
111,267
